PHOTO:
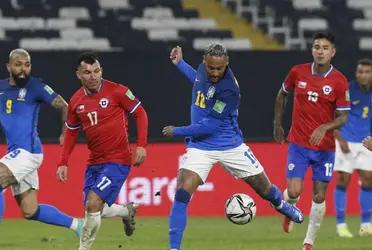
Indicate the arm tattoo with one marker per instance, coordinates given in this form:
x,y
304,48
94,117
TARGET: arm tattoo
x,y
61,104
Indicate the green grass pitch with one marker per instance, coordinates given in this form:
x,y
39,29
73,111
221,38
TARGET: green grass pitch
x,y
264,233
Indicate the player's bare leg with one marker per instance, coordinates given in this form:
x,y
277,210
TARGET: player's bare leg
x,y
93,208
187,182
27,202
262,185
292,195
317,212
365,199
343,179
6,177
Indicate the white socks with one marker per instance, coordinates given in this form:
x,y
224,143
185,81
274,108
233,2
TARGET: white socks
x,y
91,225
114,210
74,224
316,217
286,197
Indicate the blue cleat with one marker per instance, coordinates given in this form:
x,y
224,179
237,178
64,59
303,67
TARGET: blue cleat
x,y
291,212
79,228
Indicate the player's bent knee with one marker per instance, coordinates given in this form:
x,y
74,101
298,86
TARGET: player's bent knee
x,y
319,198
30,214
293,193
343,179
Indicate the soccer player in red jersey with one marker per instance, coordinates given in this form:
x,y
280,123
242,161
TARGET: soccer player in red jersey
x,y
321,104
100,108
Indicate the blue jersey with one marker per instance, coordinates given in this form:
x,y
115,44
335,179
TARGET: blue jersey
x,y
358,125
214,111
19,112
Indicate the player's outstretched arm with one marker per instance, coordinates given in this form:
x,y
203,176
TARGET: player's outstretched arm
x,y
319,133
60,104
280,104
367,142
176,57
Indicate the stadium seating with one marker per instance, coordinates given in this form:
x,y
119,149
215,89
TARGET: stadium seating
x,y
106,25
293,22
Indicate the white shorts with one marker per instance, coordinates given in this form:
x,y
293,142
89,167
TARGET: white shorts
x,y
358,158
239,162
23,165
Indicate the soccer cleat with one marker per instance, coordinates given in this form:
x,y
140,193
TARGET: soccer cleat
x,y
128,221
290,211
344,232
79,228
287,225
365,231
307,246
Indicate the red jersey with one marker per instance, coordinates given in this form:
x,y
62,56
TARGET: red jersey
x,y
103,116
316,97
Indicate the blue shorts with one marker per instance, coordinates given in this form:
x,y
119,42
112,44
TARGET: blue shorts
x,y
300,158
105,180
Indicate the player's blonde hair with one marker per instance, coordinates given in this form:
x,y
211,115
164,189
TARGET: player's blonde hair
x,y
216,49
18,52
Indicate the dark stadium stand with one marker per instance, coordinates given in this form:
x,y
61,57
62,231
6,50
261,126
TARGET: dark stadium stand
x,y
294,21
104,25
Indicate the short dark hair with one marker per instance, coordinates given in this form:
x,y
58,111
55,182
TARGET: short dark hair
x,y
215,49
326,35
87,57
365,61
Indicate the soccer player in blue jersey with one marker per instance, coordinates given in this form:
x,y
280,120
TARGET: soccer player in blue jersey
x,y
20,99
213,137
350,153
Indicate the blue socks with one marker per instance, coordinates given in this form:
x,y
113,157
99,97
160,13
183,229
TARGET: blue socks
x,y
274,196
365,199
340,203
51,215
2,205
178,218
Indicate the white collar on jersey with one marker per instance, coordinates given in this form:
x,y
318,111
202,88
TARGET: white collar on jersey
x,y
324,74
87,92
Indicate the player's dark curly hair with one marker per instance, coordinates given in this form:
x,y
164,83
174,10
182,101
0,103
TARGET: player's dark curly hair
x,y
365,61
87,57
215,49
326,35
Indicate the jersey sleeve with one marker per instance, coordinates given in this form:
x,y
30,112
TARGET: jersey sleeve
x,y
289,82
46,93
126,99
72,120
342,95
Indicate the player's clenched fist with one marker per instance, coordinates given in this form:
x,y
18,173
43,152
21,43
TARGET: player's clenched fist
x,y
62,173
176,55
168,131
139,156
367,142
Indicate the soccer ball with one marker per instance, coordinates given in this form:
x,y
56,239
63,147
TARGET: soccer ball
x,y
240,209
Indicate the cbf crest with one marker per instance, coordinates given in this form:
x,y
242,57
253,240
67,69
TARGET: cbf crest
x,y
22,94
104,102
211,92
